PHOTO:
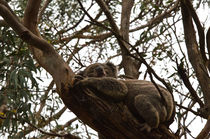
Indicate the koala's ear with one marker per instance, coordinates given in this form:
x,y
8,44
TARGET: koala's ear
x,y
111,65
81,73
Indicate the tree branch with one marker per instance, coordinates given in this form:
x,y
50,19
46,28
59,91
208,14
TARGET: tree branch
x,y
51,61
194,54
200,29
22,31
158,18
208,46
3,23
115,30
109,16
66,136
46,56
187,83
43,9
131,66
205,131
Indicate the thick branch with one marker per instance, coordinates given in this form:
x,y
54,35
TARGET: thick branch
x,y
109,16
51,61
205,131
208,46
194,54
114,26
131,66
125,18
200,29
43,51
111,119
23,32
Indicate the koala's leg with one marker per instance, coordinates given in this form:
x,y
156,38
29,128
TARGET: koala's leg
x,y
147,111
107,87
77,78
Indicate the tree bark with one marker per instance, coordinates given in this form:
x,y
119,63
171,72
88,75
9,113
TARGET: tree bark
x,y
198,63
130,65
47,57
194,54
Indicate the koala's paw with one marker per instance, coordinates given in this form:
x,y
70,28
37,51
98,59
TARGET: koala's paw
x,y
145,127
77,78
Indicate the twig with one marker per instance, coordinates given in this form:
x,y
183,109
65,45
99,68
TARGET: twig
x,y
43,9
189,109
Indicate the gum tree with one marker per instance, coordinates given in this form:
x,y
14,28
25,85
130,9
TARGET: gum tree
x,y
62,37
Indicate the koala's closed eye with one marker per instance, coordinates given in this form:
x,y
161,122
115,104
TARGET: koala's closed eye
x,y
101,70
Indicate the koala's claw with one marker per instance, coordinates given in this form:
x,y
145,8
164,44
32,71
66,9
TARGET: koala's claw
x,y
145,127
77,78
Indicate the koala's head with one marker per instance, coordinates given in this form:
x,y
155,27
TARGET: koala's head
x,y
100,70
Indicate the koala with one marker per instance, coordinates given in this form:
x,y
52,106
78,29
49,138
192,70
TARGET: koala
x,y
141,97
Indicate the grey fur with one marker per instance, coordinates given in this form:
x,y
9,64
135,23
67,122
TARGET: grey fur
x,y
141,97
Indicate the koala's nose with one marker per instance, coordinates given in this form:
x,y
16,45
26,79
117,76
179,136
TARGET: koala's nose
x,y
100,72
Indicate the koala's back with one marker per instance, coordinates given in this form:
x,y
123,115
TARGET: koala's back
x,y
148,93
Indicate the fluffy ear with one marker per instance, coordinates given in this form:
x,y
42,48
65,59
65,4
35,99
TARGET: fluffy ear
x,y
112,66
81,73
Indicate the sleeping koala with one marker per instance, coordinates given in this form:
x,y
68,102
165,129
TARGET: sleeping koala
x,y
141,97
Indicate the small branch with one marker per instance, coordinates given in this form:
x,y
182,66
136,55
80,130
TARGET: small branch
x,y
114,28
42,124
158,18
181,72
44,132
188,109
43,101
70,28
56,116
22,31
66,136
86,130
158,89
43,9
